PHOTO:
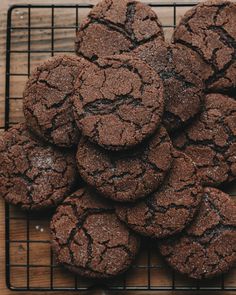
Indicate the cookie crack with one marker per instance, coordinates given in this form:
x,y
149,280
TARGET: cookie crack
x,y
111,26
130,13
230,43
107,106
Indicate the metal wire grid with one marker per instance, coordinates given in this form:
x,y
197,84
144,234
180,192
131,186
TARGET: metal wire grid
x,y
149,269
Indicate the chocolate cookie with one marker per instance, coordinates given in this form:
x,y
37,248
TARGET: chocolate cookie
x,y
46,100
33,175
114,27
170,209
211,140
208,247
127,175
209,29
181,72
118,102
88,238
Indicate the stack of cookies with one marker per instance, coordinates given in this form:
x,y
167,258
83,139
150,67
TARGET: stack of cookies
x,y
130,138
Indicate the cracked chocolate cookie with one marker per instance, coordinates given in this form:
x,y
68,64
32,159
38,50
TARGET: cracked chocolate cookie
x,y
181,72
208,247
211,140
114,27
32,175
126,175
171,208
209,29
118,102
46,100
88,238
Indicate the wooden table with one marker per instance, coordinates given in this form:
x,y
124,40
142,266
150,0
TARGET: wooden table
x,y
4,4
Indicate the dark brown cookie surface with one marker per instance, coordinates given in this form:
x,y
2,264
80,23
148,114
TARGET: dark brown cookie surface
x,y
116,26
89,239
118,102
32,175
126,175
210,30
208,247
181,72
211,140
170,209
46,100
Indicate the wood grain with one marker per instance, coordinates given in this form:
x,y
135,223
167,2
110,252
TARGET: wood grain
x,y
63,40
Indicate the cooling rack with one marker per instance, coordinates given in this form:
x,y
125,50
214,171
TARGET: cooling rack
x,y
34,33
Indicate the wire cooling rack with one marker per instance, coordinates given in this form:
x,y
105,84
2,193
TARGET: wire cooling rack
x,y
34,33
